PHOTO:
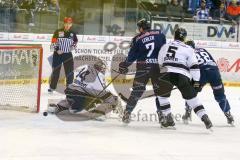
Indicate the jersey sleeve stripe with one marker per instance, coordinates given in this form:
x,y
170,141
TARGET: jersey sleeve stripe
x,y
196,66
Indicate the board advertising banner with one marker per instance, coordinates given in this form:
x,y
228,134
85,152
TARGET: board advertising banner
x,y
199,31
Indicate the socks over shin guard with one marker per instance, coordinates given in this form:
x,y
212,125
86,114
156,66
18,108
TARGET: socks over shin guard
x,y
197,107
199,111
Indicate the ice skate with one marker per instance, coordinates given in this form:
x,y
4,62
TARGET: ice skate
x,y
187,116
167,121
160,116
229,117
126,117
207,121
118,109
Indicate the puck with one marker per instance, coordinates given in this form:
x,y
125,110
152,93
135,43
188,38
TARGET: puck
x,y
45,113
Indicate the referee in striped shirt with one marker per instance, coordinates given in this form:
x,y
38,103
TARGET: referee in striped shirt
x,y
64,40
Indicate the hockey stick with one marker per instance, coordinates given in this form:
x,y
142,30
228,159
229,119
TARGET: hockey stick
x,y
97,96
130,73
125,98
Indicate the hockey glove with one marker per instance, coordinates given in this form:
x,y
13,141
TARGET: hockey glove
x,y
123,69
197,86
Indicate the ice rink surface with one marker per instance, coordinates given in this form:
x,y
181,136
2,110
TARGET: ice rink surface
x,y
29,136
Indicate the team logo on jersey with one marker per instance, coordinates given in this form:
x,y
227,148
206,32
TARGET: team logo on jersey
x,y
61,34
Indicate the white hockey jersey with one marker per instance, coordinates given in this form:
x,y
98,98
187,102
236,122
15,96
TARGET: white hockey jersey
x,y
180,58
87,77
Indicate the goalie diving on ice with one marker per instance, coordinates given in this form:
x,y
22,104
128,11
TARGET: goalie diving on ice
x,y
88,93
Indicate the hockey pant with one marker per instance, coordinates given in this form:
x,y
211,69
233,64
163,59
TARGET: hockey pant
x,y
78,100
141,79
67,60
188,93
213,77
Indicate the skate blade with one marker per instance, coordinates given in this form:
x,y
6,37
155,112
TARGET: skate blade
x,y
124,124
232,125
185,121
99,119
210,130
169,127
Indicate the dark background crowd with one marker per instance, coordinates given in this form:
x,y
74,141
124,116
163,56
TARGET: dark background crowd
x,y
29,15
44,16
206,11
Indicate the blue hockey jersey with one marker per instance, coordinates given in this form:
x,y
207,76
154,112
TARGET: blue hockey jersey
x,y
205,59
145,47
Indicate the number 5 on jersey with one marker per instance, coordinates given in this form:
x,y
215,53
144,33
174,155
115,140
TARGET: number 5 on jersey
x,y
171,52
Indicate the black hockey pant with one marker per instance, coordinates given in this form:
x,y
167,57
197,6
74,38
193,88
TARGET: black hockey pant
x,y
142,76
67,60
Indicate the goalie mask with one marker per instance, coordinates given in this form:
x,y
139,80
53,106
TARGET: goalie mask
x,y
100,66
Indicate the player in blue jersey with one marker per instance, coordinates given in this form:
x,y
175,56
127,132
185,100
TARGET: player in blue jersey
x,y
210,74
144,50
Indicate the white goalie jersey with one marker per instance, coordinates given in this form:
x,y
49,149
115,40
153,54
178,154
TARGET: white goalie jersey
x,y
180,58
89,79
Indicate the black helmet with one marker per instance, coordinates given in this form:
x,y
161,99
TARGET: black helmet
x,y
144,24
180,34
190,43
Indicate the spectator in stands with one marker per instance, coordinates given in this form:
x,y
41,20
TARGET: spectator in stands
x,y
175,10
193,5
219,13
233,12
29,5
53,5
115,29
202,14
186,8
214,6
75,10
47,5
8,12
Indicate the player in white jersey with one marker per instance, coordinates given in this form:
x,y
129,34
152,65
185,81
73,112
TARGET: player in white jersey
x,y
88,89
181,66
